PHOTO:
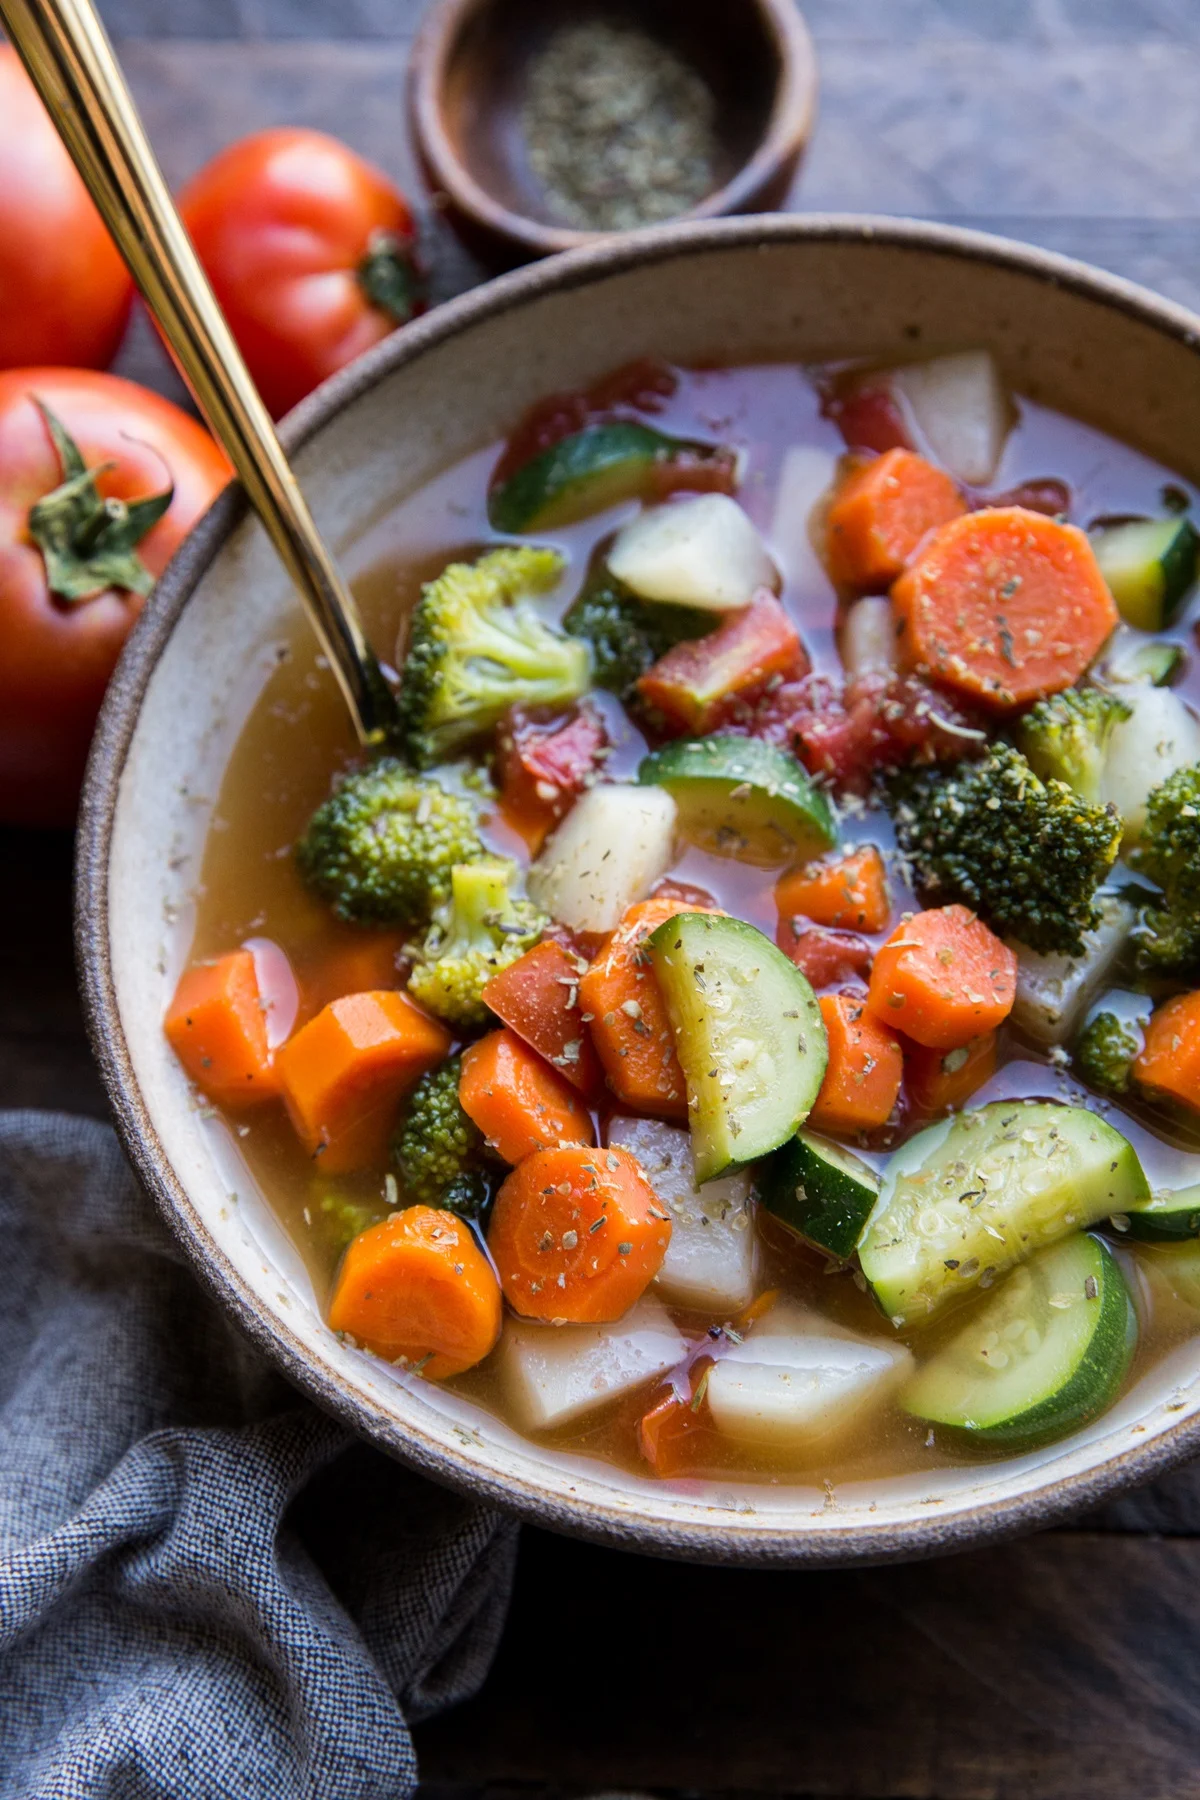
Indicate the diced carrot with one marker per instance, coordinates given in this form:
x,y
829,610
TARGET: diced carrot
x,y
577,1234
850,893
828,958
758,1308
669,1431
1169,1062
698,685
417,1288
943,978
866,1067
627,1018
937,1080
359,964
517,1100
344,1072
538,997
880,512
217,1028
1004,605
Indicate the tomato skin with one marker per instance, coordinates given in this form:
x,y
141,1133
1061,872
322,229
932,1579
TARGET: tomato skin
x,y
281,221
56,658
64,291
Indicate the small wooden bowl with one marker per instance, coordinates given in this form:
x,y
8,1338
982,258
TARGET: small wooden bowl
x,y
467,79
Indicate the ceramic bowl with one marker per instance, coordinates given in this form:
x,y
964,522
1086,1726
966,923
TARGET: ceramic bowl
x,y
795,288
467,78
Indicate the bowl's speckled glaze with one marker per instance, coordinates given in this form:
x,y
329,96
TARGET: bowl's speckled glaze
x,y
785,288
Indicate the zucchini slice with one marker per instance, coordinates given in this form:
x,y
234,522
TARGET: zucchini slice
x,y
742,798
1048,1352
748,1033
1149,566
598,466
1164,1219
1156,664
824,1193
966,1199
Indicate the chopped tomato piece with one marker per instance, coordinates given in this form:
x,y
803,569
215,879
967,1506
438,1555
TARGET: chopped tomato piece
x,y
699,685
828,958
545,760
868,416
538,997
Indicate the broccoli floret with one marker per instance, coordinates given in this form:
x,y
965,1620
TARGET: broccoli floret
x,y
477,647
1104,1053
628,635
1028,855
381,848
1168,936
437,1151
482,928
1065,738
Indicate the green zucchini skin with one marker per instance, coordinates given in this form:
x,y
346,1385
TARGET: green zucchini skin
x,y
1080,1271
742,798
595,468
984,1189
822,1192
1164,1219
1149,566
748,1033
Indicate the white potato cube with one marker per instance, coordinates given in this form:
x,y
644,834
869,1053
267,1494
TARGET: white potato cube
x,y
868,640
614,844
1054,992
788,1391
961,410
1160,737
702,552
554,1373
806,476
711,1259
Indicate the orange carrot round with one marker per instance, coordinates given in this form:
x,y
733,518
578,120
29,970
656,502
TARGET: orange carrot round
x,y
217,1027
880,513
1004,605
1169,1062
417,1287
865,1068
850,893
577,1234
943,978
517,1100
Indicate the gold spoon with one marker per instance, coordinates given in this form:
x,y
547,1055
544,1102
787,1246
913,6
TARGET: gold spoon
x,y
63,45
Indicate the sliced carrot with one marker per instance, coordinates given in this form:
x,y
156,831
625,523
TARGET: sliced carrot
x,y
670,1432
577,1234
627,1018
417,1288
879,514
943,978
359,964
517,1100
850,892
866,1067
217,1027
698,685
538,997
344,1072
1169,1062
937,1080
1004,605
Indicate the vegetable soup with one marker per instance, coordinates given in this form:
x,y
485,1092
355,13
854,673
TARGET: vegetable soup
x,y
745,1019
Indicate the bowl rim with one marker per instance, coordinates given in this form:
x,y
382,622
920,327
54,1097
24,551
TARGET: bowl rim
x,y
591,1518
786,131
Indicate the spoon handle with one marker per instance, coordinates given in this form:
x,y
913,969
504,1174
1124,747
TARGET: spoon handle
x,y
71,62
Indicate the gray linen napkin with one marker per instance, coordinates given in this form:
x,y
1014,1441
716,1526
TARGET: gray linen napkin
x,y
207,1587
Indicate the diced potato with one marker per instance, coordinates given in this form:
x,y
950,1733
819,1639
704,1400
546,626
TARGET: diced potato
x,y
711,1260
868,638
614,844
702,552
554,1373
1054,992
960,409
790,1390
805,478
1161,736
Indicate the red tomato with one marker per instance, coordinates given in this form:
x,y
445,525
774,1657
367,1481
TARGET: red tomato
x,y
310,251
58,655
64,291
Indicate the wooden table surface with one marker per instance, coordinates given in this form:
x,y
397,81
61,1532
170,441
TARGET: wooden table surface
x,y
1061,1666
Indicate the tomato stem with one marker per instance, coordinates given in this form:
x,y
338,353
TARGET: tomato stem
x,y
390,276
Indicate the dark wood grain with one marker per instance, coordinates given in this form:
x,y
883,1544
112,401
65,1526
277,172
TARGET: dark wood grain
x,y
1059,1668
